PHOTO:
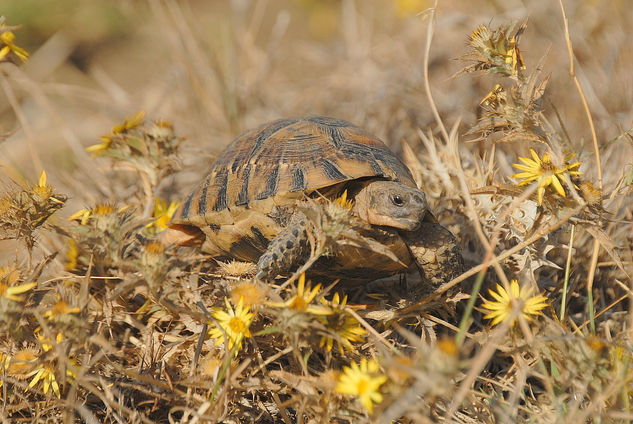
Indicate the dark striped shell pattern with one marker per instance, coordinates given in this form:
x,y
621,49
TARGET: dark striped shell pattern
x,y
275,165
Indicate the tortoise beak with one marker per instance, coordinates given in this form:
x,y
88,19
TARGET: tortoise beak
x,y
429,217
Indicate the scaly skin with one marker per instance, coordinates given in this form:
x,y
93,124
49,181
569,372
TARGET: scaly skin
x,y
290,248
436,253
433,248
385,204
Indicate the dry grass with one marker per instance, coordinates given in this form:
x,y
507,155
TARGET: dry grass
x,y
99,325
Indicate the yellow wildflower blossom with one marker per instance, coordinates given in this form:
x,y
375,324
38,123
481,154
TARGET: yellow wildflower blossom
x,y
251,294
301,302
162,214
100,210
83,215
7,37
210,366
362,380
46,374
344,328
21,364
495,97
60,308
72,255
234,322
343,202
129,123
4,361
545,172
517,297
45,342
5,204
106,140
8,277
45,191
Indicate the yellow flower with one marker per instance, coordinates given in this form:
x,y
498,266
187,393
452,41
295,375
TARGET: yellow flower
x,y
72,255
46,374
210,366
343,202
97,148
83,215
251,294
129,123
5,204
162,214
41,188
506,301
7,37
4,361
497,49
21,364
8,277
301,301
46,343
344,328
494,98
106,140
545,172
235,324
362,381
60,308
100,210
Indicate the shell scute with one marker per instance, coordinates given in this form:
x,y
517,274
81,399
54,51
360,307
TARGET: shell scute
x,y
284,159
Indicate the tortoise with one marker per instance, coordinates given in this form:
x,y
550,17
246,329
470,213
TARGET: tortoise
x,y
247,206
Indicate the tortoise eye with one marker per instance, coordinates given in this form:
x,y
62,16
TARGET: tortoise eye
x,y
397,200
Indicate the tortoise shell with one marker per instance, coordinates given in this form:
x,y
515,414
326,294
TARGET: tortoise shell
x,y
233,208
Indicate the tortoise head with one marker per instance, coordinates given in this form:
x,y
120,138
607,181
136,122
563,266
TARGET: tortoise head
x,y
393,204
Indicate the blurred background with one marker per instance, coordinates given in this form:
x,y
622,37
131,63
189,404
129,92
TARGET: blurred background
x,y
216,68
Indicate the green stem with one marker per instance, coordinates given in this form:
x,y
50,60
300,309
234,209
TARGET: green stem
x,y
459,338
224,369
592,321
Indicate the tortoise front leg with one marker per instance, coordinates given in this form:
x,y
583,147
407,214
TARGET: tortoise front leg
x,y
290,248
436,253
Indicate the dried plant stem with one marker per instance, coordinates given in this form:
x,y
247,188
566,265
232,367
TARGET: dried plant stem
x,y
572,73
425,69
474,270
611,305
594,137
563,301
470,205
478,364
445,324
370,329
149,195
459,338
590,276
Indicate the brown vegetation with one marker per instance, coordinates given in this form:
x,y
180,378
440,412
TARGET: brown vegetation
x,y
518,130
